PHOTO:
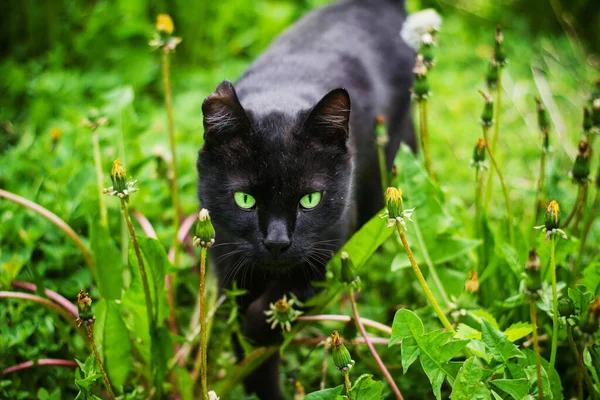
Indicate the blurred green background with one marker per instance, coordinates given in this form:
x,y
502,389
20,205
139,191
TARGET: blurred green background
x,y
60,58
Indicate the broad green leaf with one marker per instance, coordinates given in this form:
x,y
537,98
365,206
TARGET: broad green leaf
x,y
581,298
112,339
480,315
518,331
325,394
516,388
109,267
591,277
549,373
512,258
434,349
497,342
365,388
469,383
161,353
464,331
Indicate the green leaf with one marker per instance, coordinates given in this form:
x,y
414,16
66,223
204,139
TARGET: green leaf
x,y
109,267
112,340
365,388
591,277
518,331
512,258
497,342
325,394
581,298
161,353
435,349
469,383
480,315
548,374
516,388
464,331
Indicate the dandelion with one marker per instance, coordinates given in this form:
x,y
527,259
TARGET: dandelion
x,y
164,24
341,358
163,38
420,27
205,232
120,188
478,160
282,313
472,283
348,271
55,134
395,212
551,221
487,116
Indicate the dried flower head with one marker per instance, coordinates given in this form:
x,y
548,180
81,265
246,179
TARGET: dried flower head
x,y
587,121
420,89
341,356
420,27
395,211
84,307
589,321
205,232
542,114
487,116
120,188
478,159
282,313
94,120
499,54
552,221
493,74
581,167
472,283
533,274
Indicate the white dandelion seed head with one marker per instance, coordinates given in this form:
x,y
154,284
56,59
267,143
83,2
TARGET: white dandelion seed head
x,y
419,26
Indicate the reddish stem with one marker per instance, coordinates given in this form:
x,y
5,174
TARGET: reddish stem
x,y
51,295
45,361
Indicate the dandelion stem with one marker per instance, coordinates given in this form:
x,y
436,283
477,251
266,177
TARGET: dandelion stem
x,y
586,232
62,225
479,178
380,363
576,353
382,168
90,331
138,254
99,180
492,145
554,303
504,188
580,209
200,363
66,313
574,209
539,194
425,138
347,383
44,361
423,283
536,348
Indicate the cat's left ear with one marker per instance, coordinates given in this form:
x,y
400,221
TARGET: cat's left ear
x,y
224,116
329,120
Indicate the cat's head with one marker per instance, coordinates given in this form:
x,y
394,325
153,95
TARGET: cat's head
x,y
274,183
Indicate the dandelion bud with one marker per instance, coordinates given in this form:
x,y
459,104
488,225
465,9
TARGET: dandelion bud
x,y
499,54
492,75
381,132
55,134
479,151
552,216
348,269
472,284
84,306
542,115
341,355
205,232
487,116
164,24
421,86
118,176
393,202
282,313
581,167
596,112
427,50
533,274
587,120
566,308
588,322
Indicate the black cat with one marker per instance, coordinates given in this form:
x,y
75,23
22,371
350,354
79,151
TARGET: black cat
x,y
289,166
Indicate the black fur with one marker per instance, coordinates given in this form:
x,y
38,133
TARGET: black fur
x,y
301,120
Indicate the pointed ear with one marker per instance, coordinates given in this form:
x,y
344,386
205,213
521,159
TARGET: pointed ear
x,y
223,113
329,120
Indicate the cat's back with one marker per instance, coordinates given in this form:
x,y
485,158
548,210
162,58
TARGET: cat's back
x,y
353,44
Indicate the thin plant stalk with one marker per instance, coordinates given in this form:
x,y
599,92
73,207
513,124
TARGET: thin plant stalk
x,y
200,364
380,363
479,182
382,168
44,361
554,303
580,209
170,279
576,353
578,199
494,142
586,232
99,179
536,348
423,283
502,183
425,137
62,225
347,383
539,194
66,313
90,330
345,318
142,266
57,298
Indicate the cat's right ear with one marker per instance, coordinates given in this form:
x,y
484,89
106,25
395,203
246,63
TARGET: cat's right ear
x,y
223,114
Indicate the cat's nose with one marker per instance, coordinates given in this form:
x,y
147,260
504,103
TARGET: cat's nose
x,y
277,239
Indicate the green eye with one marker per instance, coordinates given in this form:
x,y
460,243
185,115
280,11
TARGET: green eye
x,y
311,200
244,200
